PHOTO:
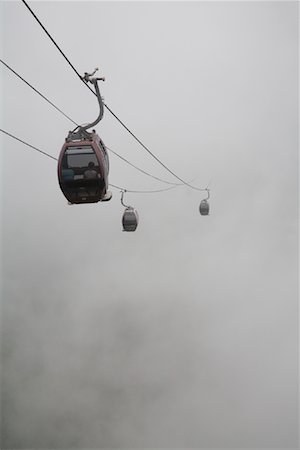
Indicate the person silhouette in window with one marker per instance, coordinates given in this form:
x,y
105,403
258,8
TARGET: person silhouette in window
x,y
90,173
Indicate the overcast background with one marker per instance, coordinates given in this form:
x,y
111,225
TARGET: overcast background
x,y
184,333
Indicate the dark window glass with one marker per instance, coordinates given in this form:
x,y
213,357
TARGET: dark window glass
x,y
79,157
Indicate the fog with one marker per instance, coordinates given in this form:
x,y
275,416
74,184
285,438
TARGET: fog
x,y
183,334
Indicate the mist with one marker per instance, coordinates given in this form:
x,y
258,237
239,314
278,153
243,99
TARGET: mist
x,y
183,334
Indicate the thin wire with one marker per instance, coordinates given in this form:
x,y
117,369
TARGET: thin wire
x,y
141,170
143,192
152,154
55,159
119,120
56,45
58,109
29,145
38,92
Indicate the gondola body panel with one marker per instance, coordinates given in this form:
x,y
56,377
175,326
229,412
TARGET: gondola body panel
x,y
204,208
79,182
130,219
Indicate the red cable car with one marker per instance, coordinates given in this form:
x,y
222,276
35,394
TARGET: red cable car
x,y
83,163
83,168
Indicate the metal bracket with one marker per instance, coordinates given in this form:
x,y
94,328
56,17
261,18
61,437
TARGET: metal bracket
x,y
89,78
122,196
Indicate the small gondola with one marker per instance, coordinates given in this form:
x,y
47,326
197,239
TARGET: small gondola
x,y
204,206
130,217
83,163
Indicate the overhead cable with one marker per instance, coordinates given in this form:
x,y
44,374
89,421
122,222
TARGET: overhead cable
x,y
119,120
58,109
29,145
38,92
143,192
55,159
141,170
56,45
152,154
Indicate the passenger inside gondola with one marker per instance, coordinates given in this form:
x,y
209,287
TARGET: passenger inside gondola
x,y
79,159
91,173
81,173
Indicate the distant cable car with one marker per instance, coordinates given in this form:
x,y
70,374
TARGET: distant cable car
x,y
83,163
130,217
204,206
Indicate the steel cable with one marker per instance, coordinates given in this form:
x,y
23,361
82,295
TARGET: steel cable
x,y
119,120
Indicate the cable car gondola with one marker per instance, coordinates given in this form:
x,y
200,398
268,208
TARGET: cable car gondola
x,y
130,217
83,163
204,206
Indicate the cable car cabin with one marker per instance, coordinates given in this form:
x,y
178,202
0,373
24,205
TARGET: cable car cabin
x,y
83,169
204,208
130,219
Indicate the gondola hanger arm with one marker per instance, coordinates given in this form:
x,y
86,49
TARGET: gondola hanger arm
x,y
122,197
89,78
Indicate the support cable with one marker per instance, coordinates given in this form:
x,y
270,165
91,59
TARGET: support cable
x,y
119,120
55,159
152,154
56,45
69,118
141,170
38,92
29,145
143,192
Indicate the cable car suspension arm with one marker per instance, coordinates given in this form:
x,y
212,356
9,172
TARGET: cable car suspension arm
x,y
122,196
89,77
208,194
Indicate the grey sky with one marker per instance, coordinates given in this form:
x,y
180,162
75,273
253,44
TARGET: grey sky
x,y
184,333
